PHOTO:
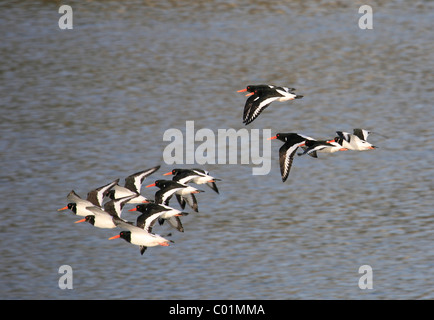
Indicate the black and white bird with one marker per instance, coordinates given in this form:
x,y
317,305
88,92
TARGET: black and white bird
x,y
184,193
355,141
169,214
109,217
197,176
292,141
141,234
323,146
77,205
97,195
261,96
133,185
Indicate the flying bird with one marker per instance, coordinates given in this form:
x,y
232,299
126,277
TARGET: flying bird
x,y
167,213
197,176
324,146
97,195
141,233
261,96
292,141
108,217
184,193
77,205
133,185
356,141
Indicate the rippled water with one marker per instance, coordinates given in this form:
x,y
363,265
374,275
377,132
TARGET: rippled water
x,y
82,107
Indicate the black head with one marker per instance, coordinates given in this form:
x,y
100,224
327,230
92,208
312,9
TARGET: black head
x,y
126,235
158,183
310,143
142,207
251,88
258,87
176,171
338,140
90,219
282,136
73,207
162,183
285,136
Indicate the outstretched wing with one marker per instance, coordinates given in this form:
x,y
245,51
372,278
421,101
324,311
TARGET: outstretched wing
x,y
361,133
146,221
258,105
73,197
163,196
213,186
114,207
190,199
344,136
286,156
134,182
97,195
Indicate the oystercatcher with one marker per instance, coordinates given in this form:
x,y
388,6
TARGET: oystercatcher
x,y
356,141
325,146
166,213
261,96
286,152
108,217
140,234
133,185
96,196
197,176
184,193
77,205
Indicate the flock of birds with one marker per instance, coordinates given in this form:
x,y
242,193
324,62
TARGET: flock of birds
x,y
103,206
261,96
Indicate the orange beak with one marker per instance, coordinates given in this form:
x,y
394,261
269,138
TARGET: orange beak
x,y
275,137
64,208
242,90
82,220
115,237
133,209
168,173
249,94
151,185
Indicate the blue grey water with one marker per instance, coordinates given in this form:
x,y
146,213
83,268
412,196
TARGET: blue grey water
x,y
82,107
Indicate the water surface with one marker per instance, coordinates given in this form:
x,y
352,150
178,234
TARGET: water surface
x,y
83,107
